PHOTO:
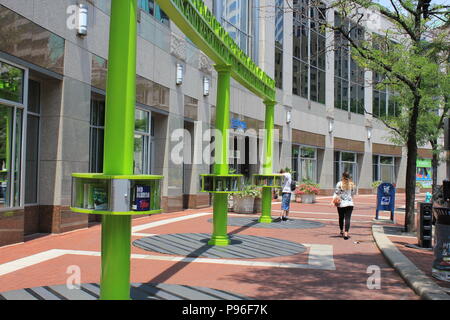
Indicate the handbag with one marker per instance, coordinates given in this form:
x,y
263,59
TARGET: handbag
x,y
337,201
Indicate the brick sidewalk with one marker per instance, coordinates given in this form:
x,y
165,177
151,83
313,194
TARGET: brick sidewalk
x,y
283,277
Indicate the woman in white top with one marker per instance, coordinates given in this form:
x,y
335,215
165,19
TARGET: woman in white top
x,y
345,189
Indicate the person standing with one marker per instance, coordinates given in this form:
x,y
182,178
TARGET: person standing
x,y
343,200
286,195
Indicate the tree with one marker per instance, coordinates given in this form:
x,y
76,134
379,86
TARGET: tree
x,y
403,53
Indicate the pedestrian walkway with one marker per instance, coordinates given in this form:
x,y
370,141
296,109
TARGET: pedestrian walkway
x,y
326,267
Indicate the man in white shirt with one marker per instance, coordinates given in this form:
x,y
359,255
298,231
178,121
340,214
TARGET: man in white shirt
x,y
286,195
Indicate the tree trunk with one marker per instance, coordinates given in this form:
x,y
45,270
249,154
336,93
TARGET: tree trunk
x,y
411,166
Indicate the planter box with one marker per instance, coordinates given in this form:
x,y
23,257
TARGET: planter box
x,y
244,204
257,207
308,198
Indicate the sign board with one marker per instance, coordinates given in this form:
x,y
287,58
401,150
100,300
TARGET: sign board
x,y
424,173
386,199
238,124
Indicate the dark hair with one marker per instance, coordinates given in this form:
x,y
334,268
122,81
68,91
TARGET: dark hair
x,y
282,171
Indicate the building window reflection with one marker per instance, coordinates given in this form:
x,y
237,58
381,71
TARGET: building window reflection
x,y
11,130
309,51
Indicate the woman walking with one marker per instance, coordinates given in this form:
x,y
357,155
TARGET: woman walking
x,y
343,200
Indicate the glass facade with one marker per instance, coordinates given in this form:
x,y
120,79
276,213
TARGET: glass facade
x,y
32,145
279,33
304,163
142,137
154,10
309,50
26,40
97,133
345,162
143,142
348,76
11,130
384,168
384,101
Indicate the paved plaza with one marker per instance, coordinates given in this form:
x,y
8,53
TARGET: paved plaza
x,y
303,258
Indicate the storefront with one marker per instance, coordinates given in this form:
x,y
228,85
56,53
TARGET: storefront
x,y
12,107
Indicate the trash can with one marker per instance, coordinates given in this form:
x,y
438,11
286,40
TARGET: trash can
x,y
441,263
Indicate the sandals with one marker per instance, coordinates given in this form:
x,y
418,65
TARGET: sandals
x,y
342,233
346,237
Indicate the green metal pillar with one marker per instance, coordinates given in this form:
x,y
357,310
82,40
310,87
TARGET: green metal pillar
x,y
119,145
219,236
266,204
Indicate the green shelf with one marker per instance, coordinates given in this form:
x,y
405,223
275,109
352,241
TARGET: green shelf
x,y
268,180
230,183
96,193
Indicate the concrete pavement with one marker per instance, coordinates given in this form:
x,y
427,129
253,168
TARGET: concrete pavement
x,y
359,269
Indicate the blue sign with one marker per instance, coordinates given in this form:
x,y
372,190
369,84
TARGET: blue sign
x,y
386,199
238,124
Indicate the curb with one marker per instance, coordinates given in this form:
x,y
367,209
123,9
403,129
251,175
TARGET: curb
x,y
422,285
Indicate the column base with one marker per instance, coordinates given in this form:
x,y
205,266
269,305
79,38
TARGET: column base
x,y
219,241
265,219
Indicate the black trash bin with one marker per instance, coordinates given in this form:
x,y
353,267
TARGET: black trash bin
x,y
441,263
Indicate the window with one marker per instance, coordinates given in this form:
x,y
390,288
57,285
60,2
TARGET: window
x,y
279,20
154,10
345,162
32,146
97,133
11,124
304,163
348,76
235,19
384,168
309,51
143,137
384,100
143,143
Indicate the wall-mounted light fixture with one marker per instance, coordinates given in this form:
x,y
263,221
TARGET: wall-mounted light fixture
x,y
330,125
288,116
179,74
369,133
82,20
206,86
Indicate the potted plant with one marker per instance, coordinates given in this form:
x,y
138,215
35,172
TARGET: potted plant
x,y
307,191
244,201
375,185
418,187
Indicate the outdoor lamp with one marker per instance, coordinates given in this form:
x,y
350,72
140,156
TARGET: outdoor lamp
x,y
288,117
330,125
179,73
206,86
369,133
82,19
